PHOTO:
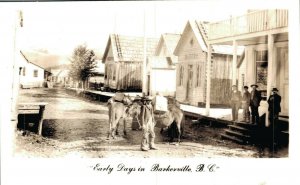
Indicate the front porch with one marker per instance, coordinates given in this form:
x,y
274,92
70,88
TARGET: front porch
x,y
264,34
241,132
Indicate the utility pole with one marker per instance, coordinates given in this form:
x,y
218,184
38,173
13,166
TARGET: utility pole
x,y
144,65
16,68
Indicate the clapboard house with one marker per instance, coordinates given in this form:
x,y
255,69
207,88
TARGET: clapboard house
x,y
163,66
123,59
264,34
192,69
59,75
31,74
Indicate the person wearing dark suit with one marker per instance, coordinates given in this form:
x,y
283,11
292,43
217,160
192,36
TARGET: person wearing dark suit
x,y
274,109
235,102
274,105
255,99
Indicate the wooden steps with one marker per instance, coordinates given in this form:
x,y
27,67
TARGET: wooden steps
x,y
237,134
232,138
240,132
246,133
238,128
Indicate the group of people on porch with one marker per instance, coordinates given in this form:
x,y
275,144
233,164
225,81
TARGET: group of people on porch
x,y
252,100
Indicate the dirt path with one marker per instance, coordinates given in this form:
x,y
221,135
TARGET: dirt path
x,y
77,127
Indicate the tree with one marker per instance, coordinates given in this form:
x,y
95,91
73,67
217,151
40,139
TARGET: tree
x,y
82,62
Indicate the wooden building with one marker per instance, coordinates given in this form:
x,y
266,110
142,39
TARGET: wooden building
x,y
96,80
163,66
123,59
191,68
59,75
264,34
31,74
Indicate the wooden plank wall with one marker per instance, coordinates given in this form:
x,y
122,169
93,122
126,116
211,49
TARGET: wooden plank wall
x,y
129,75
221,80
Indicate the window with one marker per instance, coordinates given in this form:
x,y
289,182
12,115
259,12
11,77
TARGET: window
x,y
262,69
110,72
114,71
198,76
24,71
105,73
181,76
35,73
190,76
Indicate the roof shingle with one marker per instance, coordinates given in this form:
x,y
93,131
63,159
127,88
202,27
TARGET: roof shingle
x,y
129,48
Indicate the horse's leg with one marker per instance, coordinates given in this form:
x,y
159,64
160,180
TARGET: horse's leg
x,y
124,129
180,128
117,126
171,132
113,133
108,134
116,129
179,132
110,123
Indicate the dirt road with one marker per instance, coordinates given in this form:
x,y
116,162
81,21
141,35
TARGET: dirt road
x,y
75,126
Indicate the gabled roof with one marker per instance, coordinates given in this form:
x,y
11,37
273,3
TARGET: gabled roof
x,y
44,60
129,48
28,58
200,29
170,40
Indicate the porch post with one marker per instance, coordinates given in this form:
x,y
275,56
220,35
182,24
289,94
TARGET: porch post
x,y
271,76
208,76
234,61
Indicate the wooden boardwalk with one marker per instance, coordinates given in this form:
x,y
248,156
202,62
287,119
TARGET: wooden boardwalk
x,y
222,115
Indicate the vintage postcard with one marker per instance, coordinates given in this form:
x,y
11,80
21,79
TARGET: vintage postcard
x,y
155,92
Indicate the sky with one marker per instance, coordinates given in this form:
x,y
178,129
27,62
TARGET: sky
x,y
60,27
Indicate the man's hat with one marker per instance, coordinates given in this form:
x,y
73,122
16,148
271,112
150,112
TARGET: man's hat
x,y
254,85
146,98
245,87
275,89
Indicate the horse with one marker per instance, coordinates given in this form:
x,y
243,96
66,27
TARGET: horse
x,y
173,115
117,111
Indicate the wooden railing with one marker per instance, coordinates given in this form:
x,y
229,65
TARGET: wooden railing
x,y
256,21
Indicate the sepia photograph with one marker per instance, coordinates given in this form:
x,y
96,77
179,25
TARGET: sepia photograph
x,y
152,82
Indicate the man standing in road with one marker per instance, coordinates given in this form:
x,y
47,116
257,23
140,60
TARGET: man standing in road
x,y
254,104
235,102
245,105
148,123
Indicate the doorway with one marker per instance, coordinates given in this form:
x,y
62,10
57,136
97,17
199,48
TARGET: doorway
x,y
283,56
